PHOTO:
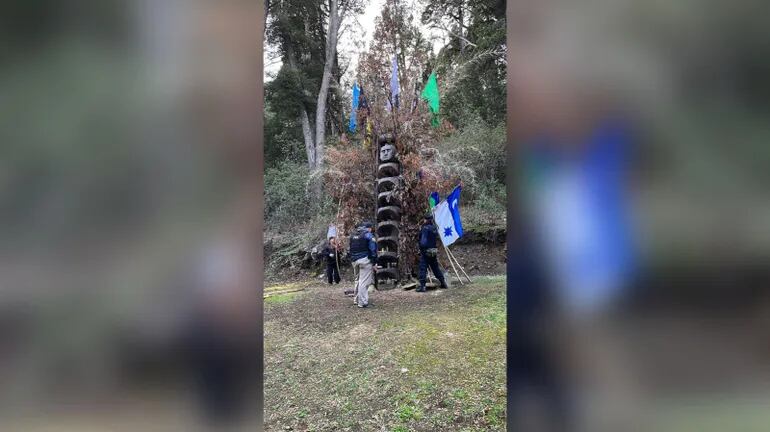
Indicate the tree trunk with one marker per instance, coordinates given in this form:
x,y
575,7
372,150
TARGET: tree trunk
x,y
331,50
307,132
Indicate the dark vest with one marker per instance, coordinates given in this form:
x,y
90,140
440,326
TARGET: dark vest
x,y
359,245
428,236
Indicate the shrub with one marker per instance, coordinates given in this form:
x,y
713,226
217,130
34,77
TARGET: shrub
x,y
287,196
480,150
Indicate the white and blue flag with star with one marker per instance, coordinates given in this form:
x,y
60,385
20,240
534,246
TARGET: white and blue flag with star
x,y
447,218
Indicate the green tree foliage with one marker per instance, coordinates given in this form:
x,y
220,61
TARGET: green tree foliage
x,y
480,149
283,140
473,62
284,96
288,200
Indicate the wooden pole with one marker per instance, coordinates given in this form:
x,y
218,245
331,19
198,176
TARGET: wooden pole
x,y
337,227
337,256
453,264
452,256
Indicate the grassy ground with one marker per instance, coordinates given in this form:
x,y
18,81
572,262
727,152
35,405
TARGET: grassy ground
x,y
411,362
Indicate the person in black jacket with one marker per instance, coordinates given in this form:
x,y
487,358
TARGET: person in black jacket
x,y
331,253
429,253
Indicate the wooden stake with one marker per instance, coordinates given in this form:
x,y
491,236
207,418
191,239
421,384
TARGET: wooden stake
x,y
453,264
337,228
452,256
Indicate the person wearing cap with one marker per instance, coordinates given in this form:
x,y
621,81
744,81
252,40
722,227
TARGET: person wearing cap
x,y
363,254
429,253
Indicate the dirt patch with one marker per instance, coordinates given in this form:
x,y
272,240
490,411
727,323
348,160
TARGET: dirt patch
x,y
480,258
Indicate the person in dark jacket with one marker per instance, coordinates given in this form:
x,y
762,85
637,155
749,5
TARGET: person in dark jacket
x,y
331,253
363,254
429,253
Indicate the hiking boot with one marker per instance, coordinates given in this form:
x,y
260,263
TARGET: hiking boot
x,y
443,286
421,289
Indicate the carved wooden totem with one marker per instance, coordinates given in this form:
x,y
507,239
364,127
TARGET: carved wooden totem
x,y
388,211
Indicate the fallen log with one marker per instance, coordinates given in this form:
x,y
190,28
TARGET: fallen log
x,y
277,293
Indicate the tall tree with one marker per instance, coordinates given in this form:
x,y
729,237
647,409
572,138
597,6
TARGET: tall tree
x,y
307,34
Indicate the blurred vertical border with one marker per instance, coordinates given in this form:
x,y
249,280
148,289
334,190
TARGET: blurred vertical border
x,y
131,204
684,344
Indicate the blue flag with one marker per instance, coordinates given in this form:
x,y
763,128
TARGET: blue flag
x,y
454,207
583,215
354,108
394,90
447,218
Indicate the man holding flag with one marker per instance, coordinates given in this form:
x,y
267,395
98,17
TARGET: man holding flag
x,y
429,253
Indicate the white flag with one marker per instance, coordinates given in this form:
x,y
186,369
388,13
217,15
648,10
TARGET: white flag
x,y
445,223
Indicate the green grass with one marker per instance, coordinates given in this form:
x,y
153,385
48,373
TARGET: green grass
x,y
408,412
466,346
434,362
282,298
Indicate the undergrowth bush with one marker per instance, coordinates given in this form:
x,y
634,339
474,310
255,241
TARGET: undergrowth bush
x,y
480,149
288,201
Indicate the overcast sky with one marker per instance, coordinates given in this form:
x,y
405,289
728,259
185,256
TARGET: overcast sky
x,y
347,43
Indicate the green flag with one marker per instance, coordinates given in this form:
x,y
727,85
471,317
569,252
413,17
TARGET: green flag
x,y
433,199
430,94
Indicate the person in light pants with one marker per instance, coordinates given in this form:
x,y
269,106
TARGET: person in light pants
x,y
363,253
365,271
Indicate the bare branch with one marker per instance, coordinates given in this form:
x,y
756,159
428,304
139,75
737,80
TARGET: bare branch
x,y
455,35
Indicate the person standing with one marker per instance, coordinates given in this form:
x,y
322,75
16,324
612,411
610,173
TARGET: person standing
x,y
331,253
429,253
363,253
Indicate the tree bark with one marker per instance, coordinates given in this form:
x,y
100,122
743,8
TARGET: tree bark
x,y
331,49
307,132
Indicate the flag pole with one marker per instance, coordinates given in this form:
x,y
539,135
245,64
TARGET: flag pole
x,y
337,227
452,255
452,263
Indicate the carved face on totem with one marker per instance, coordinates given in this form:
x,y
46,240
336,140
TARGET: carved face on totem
x,y
387,152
